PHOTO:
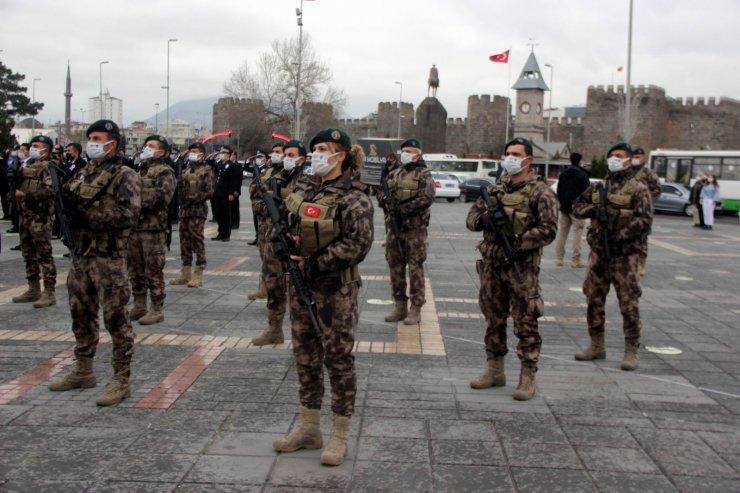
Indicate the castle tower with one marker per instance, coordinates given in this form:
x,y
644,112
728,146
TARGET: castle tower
x,y
530,92
68,105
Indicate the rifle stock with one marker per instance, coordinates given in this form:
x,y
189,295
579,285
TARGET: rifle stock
x,y
500,227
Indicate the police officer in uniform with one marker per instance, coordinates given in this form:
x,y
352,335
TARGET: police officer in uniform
x,y
105,201
532,211
629,213
343,215
223,194
35,195
237,173
412,193
650,179
147,246
197,189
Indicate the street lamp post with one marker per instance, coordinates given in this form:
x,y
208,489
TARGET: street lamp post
x,y
549,122
400,100
628,91
33,100
167,115
156,117
82,112
297,110
101,88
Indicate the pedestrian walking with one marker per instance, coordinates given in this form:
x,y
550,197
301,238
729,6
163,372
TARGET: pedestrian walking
x,y
696,201
709,199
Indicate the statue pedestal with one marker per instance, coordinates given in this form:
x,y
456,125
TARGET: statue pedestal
x,y
431,125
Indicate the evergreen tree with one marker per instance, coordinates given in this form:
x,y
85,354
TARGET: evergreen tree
x,y
13,102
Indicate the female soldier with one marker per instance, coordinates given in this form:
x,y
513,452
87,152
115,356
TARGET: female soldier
x,y
333,224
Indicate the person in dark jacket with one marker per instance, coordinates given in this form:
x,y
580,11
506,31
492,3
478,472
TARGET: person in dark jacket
x,y
695,199
223,193
237,177
572,182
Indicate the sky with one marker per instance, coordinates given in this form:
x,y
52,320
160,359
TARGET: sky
x,y
687,47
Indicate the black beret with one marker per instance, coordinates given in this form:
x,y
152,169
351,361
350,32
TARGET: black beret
x,y
638,150
158,138
298,145
197,145
522,142
331,135
108,126
620,146
411,143
226,149
44,140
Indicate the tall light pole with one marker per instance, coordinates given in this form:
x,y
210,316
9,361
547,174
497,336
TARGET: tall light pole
x,y
628,91
101,88
549,122
33,100
167,115
297,111
400,99
82,112
156,117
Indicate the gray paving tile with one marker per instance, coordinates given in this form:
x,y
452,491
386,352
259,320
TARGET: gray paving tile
x,y
386,449
390,427
459,479
532,480
230,469
606,458
42,486
132,487
467,452
550,455
308,473
242,443
715,485
383,476
619,482
462,430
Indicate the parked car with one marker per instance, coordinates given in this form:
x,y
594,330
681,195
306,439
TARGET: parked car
x,y
675,198
471,188
447,186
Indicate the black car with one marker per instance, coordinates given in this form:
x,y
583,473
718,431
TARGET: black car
x,y
471,188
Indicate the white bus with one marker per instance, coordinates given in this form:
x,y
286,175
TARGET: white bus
x,y
683,166
464,169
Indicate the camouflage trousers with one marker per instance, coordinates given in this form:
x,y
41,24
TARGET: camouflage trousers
x,y
192,241
35,236
146,257
502,293
95,281
273,275
337,314
412,253
625,276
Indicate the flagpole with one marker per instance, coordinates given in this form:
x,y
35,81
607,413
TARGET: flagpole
x,y
508,97
628,91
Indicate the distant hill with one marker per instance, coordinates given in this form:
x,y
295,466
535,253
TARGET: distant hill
x,y
195,111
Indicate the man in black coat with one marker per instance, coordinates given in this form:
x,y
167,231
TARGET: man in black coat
x,y
224,193
571,184
237,177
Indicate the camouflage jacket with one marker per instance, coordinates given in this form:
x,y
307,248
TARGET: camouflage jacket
x,y
414,211
194,202
38,192
259,186
159,185
629,209
650,179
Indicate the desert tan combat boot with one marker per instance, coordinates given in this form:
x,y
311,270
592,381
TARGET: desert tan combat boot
x,y
81,377
399,312
597,349
306,435
261,292
33,293
139,309
492,376
183,278
525,390
154,315
271,335
197,280
117,389
47,298
336,450
414,315
631,356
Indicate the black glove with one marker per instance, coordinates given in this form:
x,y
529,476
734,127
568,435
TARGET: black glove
x,y
77,218
486,221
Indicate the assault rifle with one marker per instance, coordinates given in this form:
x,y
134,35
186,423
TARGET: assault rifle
x,y
501,228
604,223
283,247
68,239
173,208
392,212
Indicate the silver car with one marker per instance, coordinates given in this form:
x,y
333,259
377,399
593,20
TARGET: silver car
x,y
675,198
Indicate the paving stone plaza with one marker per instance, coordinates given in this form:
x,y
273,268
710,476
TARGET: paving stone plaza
x,y
206,405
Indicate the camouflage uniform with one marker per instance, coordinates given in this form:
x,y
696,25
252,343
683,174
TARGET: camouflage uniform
x,y
147,245
650,179
98,276
630,213
412,190
532,209
36,219
197,189
344,215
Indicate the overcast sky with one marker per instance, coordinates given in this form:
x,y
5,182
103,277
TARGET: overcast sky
x,y
688,47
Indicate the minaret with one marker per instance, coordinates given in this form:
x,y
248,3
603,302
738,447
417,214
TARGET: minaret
x,y
68,106
530,90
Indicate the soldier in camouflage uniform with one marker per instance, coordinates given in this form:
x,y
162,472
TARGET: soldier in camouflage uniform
x,y
342,214
532,211
648,177
629,213
35,195
105,200
147,246
412,193
197,189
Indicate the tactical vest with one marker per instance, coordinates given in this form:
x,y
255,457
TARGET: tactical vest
x,y
192,181
318,224
31,176
149,191
405,186
618,206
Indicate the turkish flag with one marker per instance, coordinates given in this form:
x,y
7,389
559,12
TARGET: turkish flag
x,y
276,135
312,211
500,58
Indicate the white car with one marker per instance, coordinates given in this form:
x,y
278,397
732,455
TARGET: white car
x,y
446,186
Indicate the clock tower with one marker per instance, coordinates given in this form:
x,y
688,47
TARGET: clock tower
x,y
530,92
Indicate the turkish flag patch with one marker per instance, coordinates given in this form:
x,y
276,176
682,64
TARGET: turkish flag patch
x,y
312,211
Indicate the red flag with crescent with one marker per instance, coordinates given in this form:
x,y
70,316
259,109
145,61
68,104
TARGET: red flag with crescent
x,y
500,57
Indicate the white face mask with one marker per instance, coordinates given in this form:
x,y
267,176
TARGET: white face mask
x,y
194,157
615,164
289,163
276,158
146,153
513,165
96,151
320,164
636,162
407,157
36,153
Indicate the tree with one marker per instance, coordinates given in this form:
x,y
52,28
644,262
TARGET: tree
x,y
274,80
13,102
